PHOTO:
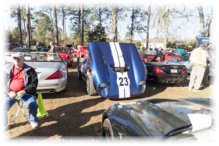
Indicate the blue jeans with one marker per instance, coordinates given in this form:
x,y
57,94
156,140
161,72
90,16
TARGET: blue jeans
x,y
29,102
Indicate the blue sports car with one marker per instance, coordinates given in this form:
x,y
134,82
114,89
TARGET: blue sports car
x,y
113,70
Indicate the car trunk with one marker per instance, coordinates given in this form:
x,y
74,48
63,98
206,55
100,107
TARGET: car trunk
x,y
44,69
166,68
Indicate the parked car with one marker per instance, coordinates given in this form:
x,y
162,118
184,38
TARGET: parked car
x,y
113,70
184,61
20,49
170,56
80,52
65,53
148,58
43,49
158,118
166,73
50,68
12,46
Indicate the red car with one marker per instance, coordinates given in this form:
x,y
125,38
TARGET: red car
x,y
148,58
81,51
65,53
170,56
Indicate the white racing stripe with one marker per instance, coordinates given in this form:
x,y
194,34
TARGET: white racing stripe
x,y
114,54
120,55
122,80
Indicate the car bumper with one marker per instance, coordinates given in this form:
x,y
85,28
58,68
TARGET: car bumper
x,y
168,78
51,86
114,95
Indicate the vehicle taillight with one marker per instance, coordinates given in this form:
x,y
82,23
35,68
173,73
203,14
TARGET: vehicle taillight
x,y
158,70
184,71
55,75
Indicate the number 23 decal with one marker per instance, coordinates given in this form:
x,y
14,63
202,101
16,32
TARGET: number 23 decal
x,y
123,81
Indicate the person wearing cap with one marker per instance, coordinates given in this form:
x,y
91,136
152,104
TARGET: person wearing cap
x,y
22,83
198,60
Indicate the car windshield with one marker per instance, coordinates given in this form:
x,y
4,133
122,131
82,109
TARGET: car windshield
x,y
61,50
37,57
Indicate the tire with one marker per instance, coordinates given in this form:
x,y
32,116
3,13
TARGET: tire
x,y
90,86
107,129
79,75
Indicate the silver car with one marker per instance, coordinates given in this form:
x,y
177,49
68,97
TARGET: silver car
x,y
50,68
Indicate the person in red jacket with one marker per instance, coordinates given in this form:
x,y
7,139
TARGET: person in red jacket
x,y
22,84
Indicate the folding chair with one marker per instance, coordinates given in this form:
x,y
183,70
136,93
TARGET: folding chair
x,y
20,108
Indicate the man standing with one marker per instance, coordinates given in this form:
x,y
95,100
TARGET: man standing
x,y
209,58
22,85
199,62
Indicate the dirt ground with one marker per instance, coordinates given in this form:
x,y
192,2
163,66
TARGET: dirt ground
x,y
74,113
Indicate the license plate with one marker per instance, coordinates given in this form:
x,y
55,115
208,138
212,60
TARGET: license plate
x,y
173,71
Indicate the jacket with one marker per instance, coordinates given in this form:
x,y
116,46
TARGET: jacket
x,y
198,57
30,79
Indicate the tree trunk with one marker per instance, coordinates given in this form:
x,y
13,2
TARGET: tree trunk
x,y
209,25
19,26
202,20
82,25
114,23
63,24
132,25
51,17
28,27
148,27
55,26
100,16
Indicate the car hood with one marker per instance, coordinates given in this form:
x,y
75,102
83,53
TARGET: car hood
x,y
163,118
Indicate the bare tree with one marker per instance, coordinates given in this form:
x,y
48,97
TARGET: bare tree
x,y
19,25
132,25
114,24
202,20
82,25
163,19
148,26
55,25
63,23
28,27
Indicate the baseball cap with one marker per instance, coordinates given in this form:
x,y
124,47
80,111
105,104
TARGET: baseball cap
x,y
17,55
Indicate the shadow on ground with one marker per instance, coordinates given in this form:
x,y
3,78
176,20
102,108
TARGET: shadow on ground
x,y
69,120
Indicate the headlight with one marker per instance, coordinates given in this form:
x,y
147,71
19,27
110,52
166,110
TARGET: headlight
x,y
141,83
103,85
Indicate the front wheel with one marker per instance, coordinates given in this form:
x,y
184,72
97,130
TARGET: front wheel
x,y
90,86
107,129
79,75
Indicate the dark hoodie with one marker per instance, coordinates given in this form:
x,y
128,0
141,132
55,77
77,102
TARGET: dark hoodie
x,y
30,79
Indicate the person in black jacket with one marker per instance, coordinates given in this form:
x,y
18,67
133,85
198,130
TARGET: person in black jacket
x,y
22,84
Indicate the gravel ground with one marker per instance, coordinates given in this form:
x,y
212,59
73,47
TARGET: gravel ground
x,y
73,113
